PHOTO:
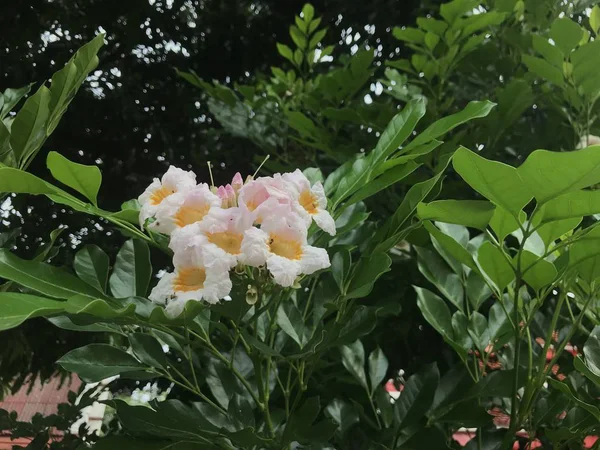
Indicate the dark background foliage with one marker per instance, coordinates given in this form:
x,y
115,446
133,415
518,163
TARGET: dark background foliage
x,y
135,116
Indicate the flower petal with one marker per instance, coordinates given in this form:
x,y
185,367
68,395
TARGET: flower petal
x,y
313,259
163,291
255,249
325,222
284,270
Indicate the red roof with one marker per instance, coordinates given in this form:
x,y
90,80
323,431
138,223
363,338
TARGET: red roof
x,y
43,398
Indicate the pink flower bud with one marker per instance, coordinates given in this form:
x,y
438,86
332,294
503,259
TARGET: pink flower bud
x,y
237,182
231,195
222,194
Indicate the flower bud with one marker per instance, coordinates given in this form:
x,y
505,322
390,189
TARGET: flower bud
x,y
251,295
222,194
231,196
237,182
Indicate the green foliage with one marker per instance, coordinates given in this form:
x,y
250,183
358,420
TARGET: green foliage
x,y
22,135
508,255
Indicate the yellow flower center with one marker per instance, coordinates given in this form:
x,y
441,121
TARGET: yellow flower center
x,y
308,202
160,194
287,248
228,241
189,279
251,206
190,214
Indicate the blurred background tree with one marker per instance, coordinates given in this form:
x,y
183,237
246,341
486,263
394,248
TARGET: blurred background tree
x,y
134,116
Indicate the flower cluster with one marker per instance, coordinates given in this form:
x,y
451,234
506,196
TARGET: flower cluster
x,y
260,222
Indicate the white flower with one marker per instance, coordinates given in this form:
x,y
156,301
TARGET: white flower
x,y
588,140
221,232
174,180
198,276
262,196
183,208
312,200
281,244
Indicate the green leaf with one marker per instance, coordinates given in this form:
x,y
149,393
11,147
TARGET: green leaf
x,y
436,313
398,130
286,52
84,179
343,414
66,323
552,231
460,326
11,97
353,358
298,37
417,396
28,131
395,133
289,318
595,19
383,181
314,25
408,34
148,350
20,182
495,266
431,40
496,181
43,278
572,205
340,268
477,290
437,272
470,213
300,426
132,271
543,69
586,371
378,366
566,389
498,321
308,12
584,257
504,223
432,25
591,350
95,362
478,330
473,110
550,52
366,273
449,244
91,265
395,226
317,38
566,33
548,175
66,82
537,272
16,308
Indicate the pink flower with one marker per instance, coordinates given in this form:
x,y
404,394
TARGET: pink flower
x,y
312,200
463,436
237,182
392,390
174,180
263,196
589,441
281,244
572,349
